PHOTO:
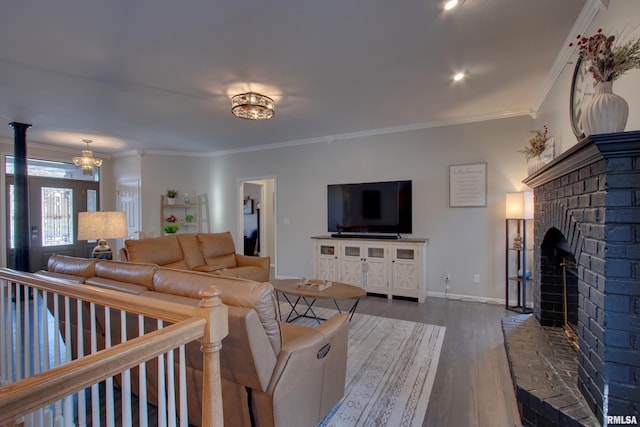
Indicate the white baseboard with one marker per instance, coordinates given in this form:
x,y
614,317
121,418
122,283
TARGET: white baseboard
x,y
485,300
459,297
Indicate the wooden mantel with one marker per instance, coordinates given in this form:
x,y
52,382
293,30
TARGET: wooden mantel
x,y
590,150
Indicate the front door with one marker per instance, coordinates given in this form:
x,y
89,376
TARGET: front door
x,y
53,212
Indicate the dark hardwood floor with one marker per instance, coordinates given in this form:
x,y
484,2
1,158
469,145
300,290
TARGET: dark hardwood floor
x,y
473,385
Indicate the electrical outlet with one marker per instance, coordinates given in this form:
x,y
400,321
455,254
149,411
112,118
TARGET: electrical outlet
x,y
476,278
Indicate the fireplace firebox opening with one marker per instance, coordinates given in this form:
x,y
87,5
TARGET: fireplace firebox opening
x,y
559,285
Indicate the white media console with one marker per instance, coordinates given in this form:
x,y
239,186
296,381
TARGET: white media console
x,y
395,267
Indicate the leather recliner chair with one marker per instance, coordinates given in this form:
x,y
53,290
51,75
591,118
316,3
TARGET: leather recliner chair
x,y
274,374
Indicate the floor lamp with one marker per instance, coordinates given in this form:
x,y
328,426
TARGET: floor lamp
x,y
101,226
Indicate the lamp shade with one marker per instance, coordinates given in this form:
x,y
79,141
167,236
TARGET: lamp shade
x,y
101,225
519,205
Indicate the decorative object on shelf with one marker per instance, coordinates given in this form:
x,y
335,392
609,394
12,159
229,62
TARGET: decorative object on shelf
x,y
527,274
87,162
252,106
171,228
517,241
539,151
605,111
186,199
171,196
183,214
101,226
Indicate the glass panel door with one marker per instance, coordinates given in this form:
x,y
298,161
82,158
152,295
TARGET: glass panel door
x,y
53,211
56,217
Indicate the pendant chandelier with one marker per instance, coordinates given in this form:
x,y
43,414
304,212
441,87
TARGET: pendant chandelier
x,y
87,161
252,106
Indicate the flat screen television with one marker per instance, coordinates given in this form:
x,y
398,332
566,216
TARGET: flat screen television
x,y
369,207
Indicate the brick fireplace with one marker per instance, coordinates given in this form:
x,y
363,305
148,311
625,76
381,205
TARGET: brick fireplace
x,y
587,215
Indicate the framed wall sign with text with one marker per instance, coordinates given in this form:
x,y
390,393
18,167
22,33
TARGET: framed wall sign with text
x,y
468,185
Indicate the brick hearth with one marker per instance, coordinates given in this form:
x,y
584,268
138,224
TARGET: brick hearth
x,y
544,369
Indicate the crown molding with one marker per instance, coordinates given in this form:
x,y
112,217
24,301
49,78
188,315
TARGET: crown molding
x,y
588,13
329,139
375,132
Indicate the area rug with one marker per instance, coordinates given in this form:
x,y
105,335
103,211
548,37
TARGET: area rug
x,y
391,368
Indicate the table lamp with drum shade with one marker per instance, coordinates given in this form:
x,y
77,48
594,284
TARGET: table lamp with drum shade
x,y
101,226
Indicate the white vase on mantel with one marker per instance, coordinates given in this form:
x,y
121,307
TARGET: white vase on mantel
x,y
534,164
606,113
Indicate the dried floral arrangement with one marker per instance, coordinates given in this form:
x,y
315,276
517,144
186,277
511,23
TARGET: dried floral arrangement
x,y
606,62
537,144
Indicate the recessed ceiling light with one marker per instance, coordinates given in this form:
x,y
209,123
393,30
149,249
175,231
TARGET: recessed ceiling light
x,y
457,77
451,4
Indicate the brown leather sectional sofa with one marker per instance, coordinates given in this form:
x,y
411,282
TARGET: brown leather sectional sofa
x,y
205,252
277,373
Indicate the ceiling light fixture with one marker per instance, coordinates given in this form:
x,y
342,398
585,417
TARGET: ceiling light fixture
x,y
252,106
459,76
451,4
87,161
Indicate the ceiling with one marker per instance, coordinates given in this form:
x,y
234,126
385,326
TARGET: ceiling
x,y
159,74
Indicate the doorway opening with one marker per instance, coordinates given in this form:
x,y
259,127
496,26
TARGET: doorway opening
x,y
257,224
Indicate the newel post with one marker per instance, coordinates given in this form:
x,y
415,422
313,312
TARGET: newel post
x,y
215,313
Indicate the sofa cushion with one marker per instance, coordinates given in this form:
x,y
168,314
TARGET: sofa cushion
x,y
233,292
218,249
60,277
136,274
221,262
163,251
71,265
190,250
247,272
116,285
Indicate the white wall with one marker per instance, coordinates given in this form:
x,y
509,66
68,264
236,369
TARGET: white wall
x,y
621,17
463,241
187,174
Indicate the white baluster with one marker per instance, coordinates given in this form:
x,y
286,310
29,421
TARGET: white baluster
x,y
184,411
82,402
171,390
57,417
46,350
95,389
142,374
162,394
67,408
3,337
18,340
110,421
26,322
126,376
